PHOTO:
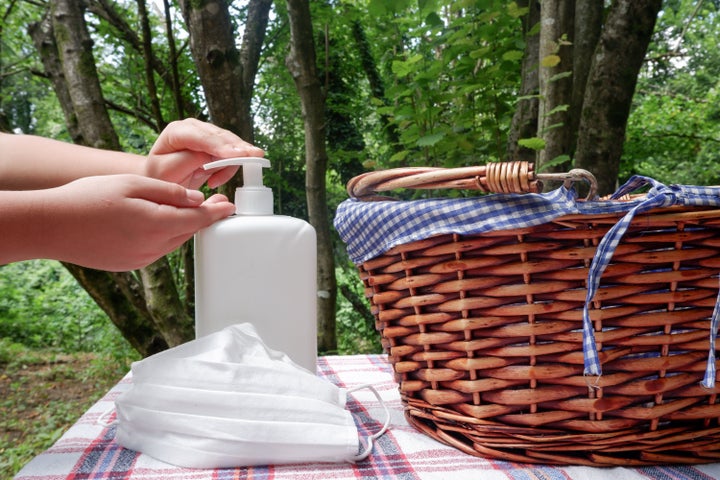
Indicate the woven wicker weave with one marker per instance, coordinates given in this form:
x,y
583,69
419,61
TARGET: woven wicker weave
x,y
485,333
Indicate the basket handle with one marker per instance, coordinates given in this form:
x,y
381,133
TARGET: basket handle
x,y
501,177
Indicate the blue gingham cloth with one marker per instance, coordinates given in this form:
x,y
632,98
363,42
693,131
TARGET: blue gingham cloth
x,y
369,229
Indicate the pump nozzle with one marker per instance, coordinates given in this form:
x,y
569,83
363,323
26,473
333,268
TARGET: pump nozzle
x,y
252,198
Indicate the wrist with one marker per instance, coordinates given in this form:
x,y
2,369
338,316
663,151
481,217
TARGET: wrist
x,y
23,221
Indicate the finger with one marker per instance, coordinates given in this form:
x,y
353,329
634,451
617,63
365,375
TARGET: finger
x,y
221,176
216,208
198,178
185,222
165,193
217,198
192,134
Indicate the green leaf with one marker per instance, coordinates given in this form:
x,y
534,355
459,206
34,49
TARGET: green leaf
x,y
377,7
527,97
430,140
512,55
400,68
560,108
433,20
553,126
399,156
559,160
559,76
515,11
533,143
550,61
403,68
480,52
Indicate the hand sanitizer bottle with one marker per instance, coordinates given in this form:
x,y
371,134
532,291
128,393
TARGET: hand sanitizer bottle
x,y
260,268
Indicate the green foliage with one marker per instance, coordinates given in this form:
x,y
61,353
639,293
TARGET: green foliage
x,y
42,306
673,132
46,323
355,335
20,91
451,70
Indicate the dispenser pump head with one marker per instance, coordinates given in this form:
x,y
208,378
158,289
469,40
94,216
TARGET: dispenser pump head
x,y
252,198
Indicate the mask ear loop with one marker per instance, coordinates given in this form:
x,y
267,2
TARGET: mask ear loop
x,y
103,418
368,448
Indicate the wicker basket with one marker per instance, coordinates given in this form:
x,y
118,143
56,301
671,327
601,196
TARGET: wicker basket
x,y
485,331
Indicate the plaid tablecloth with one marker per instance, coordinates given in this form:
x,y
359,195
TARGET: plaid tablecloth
x,y
88,450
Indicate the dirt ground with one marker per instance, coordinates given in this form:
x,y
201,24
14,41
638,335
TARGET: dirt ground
x,y
40,399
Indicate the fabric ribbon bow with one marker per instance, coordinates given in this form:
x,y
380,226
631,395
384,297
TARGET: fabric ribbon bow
x,y
660,195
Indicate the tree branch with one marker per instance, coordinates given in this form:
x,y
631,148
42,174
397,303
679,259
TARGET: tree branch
x,y
147,120
104,10
147,60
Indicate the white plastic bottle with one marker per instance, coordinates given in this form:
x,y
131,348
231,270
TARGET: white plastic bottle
x,y
260,268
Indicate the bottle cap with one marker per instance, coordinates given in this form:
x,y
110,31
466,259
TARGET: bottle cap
x,y
253,198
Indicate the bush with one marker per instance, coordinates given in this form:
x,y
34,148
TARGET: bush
x,y
42,306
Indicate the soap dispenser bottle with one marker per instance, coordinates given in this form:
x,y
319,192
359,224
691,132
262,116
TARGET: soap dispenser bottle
x,y
260,268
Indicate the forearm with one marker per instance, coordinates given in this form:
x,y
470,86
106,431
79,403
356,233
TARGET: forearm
x,y
111,222
31,162
22,234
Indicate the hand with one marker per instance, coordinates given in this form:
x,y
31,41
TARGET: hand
x,y
124,222
186,145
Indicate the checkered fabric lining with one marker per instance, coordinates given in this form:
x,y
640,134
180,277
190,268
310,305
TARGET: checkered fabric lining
x,y
371,228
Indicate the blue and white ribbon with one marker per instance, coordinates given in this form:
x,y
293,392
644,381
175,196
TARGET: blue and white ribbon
x,y
659,196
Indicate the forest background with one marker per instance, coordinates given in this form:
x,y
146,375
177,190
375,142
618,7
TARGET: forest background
x,y
331,89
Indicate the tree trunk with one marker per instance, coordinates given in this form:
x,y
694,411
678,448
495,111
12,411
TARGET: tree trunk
x,y
227,76
301,62
212,43
525,119
163,303
556,36
113,294
586,70
78,67
118,294
44,40
610,87
588,25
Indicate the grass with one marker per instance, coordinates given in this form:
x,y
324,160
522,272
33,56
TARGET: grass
x,y
42,393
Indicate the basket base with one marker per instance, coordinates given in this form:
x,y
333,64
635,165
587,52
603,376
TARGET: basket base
x,y
623,448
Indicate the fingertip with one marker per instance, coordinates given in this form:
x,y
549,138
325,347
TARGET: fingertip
x,y
218,207
220,211
249,150
218,198
195,197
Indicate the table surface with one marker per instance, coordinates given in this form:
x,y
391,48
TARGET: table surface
x,y
88,450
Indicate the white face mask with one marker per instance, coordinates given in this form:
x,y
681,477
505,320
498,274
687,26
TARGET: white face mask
x,y
226,400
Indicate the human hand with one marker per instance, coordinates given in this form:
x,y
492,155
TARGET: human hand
x,y
124,222
186,145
